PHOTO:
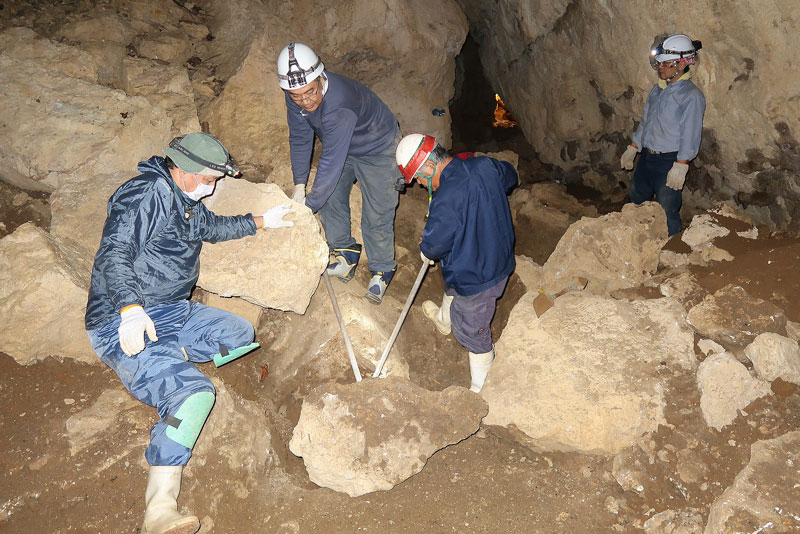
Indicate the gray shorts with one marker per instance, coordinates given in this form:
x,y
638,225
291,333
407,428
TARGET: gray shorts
x,y
471,317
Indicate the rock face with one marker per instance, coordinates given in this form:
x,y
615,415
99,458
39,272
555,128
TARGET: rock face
x,y
372,435
387,46
579,111
775,356
733,319
276,268
615,251
43,290
727,387
764,494
688,521
585,375
79,129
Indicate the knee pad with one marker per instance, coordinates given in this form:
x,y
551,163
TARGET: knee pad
x,y
226,355
185,425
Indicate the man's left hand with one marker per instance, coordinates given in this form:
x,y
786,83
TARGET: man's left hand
x,y
677,175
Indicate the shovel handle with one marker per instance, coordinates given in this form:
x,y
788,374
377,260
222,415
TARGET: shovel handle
x,y
350,354
409,300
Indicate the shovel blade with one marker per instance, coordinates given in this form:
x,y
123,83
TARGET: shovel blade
x,y
541,303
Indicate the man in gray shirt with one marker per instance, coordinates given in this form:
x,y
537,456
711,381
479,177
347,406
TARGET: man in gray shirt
x,y
358,133
668,135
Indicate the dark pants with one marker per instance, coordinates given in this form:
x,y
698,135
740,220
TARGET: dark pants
x,y
471,317
650,178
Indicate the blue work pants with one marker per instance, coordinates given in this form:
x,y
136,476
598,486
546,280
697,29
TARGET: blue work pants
x,y
377,176
160,375
650,178
471,317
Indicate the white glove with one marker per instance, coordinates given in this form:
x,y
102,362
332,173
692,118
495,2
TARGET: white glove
x,y
135,322
425,258
677,175
626,161
299,194
273,218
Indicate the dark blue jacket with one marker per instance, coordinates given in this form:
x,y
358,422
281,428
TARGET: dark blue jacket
x,y
351,120
469,228
150,252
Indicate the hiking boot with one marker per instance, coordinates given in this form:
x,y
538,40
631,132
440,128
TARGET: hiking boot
x,y
345,261
377,285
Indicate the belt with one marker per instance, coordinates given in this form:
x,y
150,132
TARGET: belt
x,y
651,151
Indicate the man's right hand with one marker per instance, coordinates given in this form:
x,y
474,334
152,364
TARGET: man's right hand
x,y
299,194
135,322
626,161
425,259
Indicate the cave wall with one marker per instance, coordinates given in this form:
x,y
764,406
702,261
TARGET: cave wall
x,y
576,76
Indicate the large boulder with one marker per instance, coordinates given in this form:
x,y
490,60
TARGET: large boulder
x,y
775,356
763,497
370,436
44,283
276,268
727,387
616,251
586,376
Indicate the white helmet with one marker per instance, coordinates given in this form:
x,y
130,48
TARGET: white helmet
x,y
676,46
298,66
412,152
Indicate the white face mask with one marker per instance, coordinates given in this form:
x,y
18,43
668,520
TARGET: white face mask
x,y
202,190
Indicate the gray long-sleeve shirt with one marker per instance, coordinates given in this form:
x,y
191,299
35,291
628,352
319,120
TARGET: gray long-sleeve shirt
x,y
351,120
672,120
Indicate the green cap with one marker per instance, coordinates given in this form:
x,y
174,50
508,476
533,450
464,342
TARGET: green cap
x,y
194,152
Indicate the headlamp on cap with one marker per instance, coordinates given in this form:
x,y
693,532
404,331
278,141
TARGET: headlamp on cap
x,y
227,168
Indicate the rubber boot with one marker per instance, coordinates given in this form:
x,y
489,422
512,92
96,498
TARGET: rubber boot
x,y
440,315
161,503
479,365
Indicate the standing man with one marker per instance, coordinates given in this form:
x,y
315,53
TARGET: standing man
x,y
668,135
358,133
143,274
469,230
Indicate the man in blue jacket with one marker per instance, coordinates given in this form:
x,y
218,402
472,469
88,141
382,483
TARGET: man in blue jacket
x,y
469,230
358,133
668,135
143,274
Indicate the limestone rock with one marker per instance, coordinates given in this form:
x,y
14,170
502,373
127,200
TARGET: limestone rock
x,y
615,251
682,286
686,521
237,431
372,435
529,272
585,376
166,87
702,231
79,209
775,356
79,129
86,427
43,289
25,45
240,307
173,47
764,494
107,26
276,268
733,319
726,387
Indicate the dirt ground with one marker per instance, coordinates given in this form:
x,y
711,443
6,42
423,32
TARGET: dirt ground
x,y
486,483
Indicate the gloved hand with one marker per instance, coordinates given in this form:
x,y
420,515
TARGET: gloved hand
x,y
425,258
677,175
135,322
273,218
299,194
626,161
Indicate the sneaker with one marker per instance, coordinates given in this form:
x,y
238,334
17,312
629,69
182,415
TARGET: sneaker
x,y
345,261
377,285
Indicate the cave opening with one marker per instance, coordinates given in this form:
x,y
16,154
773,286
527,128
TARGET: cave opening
x,y
472,112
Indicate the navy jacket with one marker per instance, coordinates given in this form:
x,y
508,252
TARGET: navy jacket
x,y
150,252
469,228
351,120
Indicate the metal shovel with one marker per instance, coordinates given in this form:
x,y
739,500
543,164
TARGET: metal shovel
x,y
409,300
347,343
